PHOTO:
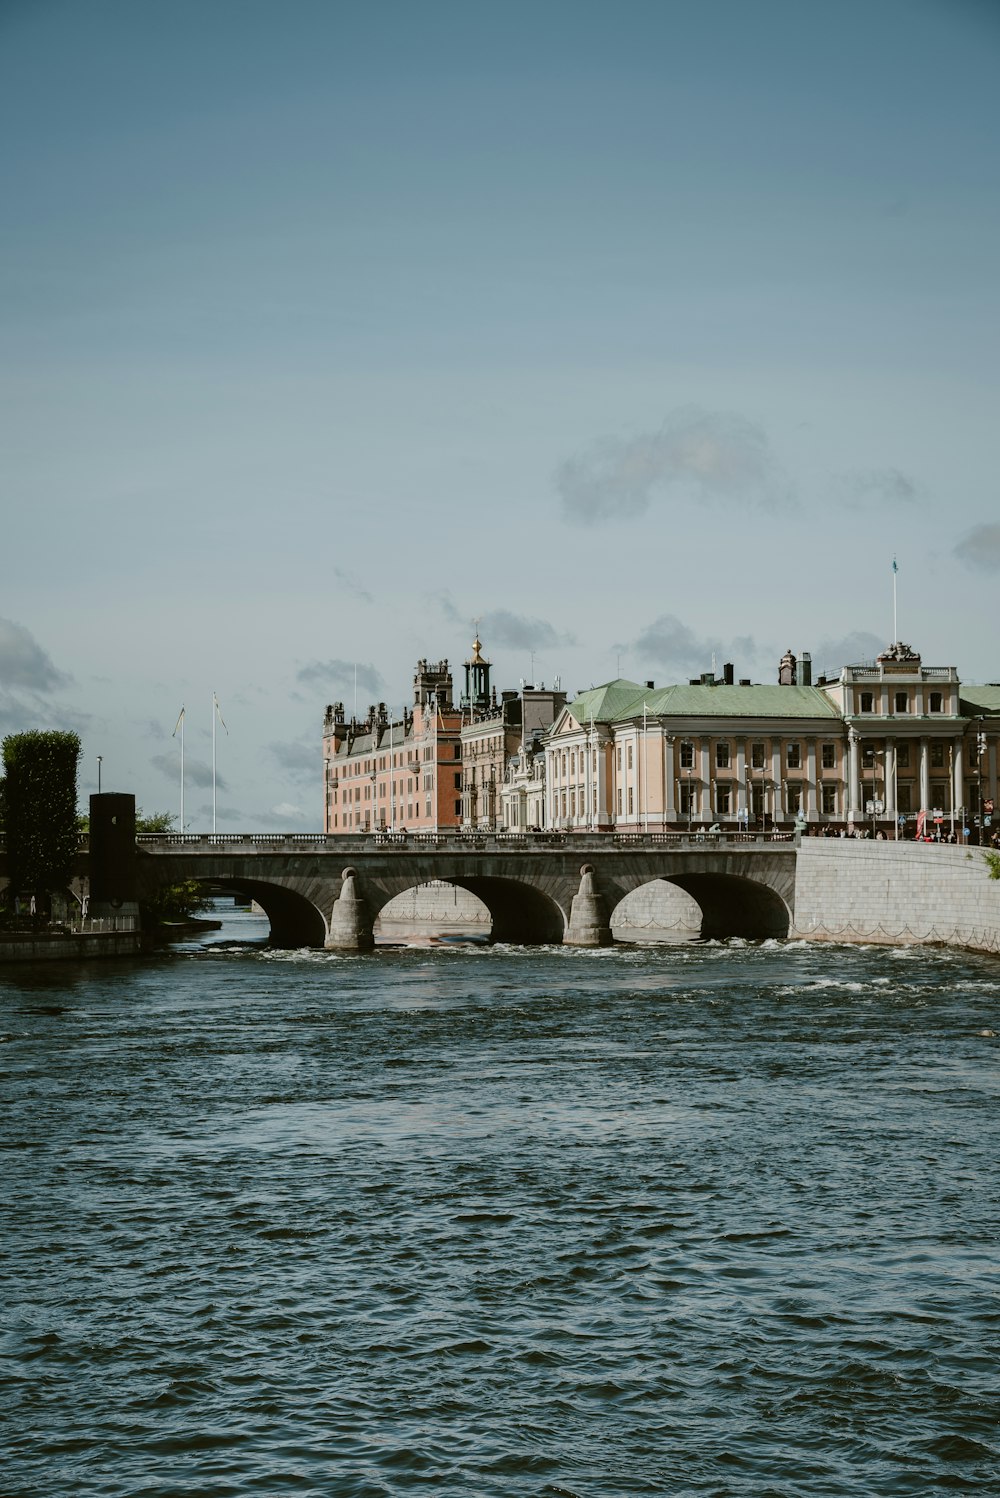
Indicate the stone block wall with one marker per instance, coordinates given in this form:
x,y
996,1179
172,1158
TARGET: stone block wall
x,y
853,889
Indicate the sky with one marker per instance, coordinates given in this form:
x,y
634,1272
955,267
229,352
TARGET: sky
x,y
645,334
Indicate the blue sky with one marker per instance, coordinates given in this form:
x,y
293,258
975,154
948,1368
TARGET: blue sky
x,y
640,332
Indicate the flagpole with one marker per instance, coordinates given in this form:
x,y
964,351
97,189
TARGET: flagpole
x,y
216,711
895,632
180,725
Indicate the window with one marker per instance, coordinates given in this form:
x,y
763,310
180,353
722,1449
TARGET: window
x,y
687,756
619,800
829,756
630,801
903,756
939,794
687,799
458,751
619,756
757,756
936,702
867,702
723,799
902,702
903,799
794,793
793,756
458,780
722,755
867,756
458,808
572,803
937,756
829,800
630,756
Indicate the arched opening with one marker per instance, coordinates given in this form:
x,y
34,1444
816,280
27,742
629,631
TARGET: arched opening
x,y
734,906
659,912
431,914
294,920
522,914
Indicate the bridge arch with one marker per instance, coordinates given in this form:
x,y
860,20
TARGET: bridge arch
x,y
519,911
733,905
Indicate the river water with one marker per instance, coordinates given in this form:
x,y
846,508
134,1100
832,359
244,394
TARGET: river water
x,y
715,1219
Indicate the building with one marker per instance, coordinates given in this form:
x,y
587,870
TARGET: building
x,y
875,746
493,734
396,774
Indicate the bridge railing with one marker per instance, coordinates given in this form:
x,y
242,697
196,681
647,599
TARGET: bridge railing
x,y
206,842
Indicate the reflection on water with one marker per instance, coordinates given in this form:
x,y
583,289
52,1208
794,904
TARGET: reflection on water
x,y
713,1219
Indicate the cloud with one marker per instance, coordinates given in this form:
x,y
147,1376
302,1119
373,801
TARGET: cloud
x,y
350,584
671,643
299,761
23,662
849,650
504,628
195,772
884,487
285,816
980,548
339,676
712,455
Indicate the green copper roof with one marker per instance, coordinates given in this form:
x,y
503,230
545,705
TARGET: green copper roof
x,y
608,703
976,700
621,699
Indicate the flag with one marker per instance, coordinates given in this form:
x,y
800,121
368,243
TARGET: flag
x,y
180,720
921,819
894,566
218,709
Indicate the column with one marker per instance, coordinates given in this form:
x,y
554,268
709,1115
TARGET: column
x,y
741,783
925,775
705,801
777,809
890,778
669,773
957,795
811,807
854,808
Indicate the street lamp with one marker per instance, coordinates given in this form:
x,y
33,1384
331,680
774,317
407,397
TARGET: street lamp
x,y
99,758
980,747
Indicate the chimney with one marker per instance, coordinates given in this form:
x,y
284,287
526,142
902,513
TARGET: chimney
x,y
727,673
806,668
650,685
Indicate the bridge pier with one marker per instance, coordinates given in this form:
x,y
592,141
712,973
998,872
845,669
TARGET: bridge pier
x,y
589,919
350,921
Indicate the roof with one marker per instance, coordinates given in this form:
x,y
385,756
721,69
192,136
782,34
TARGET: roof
x,y
977,700
621,699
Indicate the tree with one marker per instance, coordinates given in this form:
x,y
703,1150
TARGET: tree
x,y
157,821
41,821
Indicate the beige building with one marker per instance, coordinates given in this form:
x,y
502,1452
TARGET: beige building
x,y
493,734
878,744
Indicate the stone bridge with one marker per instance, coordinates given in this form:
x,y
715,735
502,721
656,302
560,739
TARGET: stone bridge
x,y
545,887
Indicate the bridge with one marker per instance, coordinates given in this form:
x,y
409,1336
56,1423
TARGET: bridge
x,y
325,891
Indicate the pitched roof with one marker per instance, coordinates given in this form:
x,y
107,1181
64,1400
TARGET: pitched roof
x,y
976,700
617,700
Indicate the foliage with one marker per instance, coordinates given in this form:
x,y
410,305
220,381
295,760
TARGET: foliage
x,y
40,794
156,821
993,864
174,903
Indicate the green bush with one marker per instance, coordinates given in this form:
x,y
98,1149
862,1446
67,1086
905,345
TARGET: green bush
x,y
41,820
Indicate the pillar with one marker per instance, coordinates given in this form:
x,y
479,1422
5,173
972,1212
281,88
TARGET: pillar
x,y
854,807
777,809
705,797
742,809
811,808
925,776
957,794
890,778
350,923
668,774
589,922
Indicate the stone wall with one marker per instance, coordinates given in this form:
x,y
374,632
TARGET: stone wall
x,y
853,889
